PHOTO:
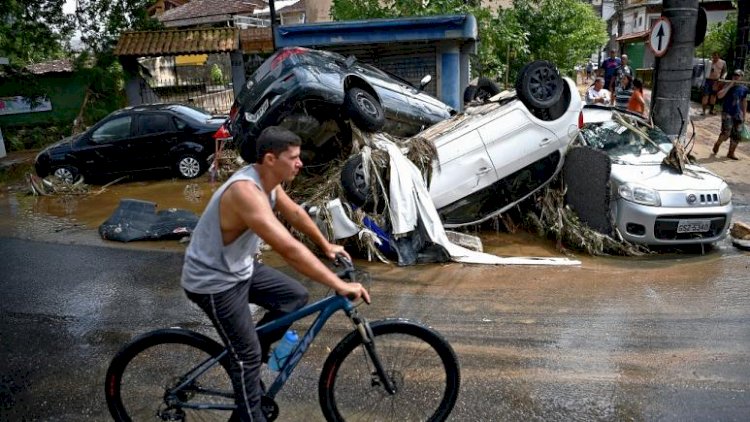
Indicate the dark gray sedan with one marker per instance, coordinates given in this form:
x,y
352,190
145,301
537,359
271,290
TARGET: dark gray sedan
x,y
135,139
314,92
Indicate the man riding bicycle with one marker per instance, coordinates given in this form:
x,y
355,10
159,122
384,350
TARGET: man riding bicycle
x,y
222,276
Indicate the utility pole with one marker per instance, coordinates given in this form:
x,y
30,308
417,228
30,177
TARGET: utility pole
x,y
670,102
272,9
743,34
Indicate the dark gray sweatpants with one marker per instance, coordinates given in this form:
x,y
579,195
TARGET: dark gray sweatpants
x,y
230,314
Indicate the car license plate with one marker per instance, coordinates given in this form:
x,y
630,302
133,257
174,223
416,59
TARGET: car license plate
x,y
253,117
693,226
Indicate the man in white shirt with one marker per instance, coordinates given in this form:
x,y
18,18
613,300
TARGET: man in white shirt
x,y
597,94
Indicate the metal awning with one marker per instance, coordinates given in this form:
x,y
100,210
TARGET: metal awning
x,y
172,43
635,36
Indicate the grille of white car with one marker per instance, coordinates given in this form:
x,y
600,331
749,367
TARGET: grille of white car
x,y
702,199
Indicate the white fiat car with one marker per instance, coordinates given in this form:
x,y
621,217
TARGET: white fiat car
x,y
652,203
495,154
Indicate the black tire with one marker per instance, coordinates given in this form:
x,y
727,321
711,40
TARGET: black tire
x,y
353,181
539,85
469,93
190,166
486,89
364,110
142,371
356,188
423,365
66,174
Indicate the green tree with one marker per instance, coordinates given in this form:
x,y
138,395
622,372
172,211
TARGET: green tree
x,y
561,31
34,31
720,37
102,21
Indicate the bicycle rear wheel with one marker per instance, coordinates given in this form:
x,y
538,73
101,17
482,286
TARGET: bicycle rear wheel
x,y
419,361
142,372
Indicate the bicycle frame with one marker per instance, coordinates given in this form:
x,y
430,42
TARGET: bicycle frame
x,y
325,309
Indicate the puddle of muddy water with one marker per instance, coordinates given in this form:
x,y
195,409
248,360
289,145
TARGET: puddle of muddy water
x,y
76,218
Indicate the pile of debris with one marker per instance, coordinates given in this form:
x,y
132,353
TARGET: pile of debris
x,y
54,186
51,185
740,233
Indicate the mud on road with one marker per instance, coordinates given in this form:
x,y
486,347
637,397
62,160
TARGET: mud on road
x,y
661,337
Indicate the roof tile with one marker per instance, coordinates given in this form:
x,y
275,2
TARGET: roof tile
x,y
203,8
190,41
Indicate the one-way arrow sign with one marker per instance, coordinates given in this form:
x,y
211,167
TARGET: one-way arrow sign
x,y
661,36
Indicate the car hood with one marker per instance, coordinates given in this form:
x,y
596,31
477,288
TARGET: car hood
x,y
64,143
665,178
216,121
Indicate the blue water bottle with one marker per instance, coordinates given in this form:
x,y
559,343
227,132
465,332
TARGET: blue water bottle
x,y
283,350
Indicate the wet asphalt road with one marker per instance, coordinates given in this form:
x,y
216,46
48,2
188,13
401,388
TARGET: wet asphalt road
x,y
665,338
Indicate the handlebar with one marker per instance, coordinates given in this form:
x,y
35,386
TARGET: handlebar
x,y
348,271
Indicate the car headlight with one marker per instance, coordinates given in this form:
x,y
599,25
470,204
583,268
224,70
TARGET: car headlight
x,y
725,195
639,195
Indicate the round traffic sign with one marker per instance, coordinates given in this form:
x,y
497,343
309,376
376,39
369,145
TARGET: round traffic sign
x,y
661,36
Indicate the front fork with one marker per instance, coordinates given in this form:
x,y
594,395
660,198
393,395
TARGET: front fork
x,y
379,376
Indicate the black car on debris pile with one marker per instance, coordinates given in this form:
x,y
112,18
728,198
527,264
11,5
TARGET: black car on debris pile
x,y
313,93
135,139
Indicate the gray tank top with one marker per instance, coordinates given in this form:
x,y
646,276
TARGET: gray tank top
x,y
210,266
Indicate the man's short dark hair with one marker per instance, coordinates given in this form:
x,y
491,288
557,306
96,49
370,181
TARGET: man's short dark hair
x,y
273,139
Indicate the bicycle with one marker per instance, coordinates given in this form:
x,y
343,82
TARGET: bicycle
x,y
406,371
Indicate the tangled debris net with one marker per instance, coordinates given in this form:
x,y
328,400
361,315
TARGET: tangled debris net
x,y
550,216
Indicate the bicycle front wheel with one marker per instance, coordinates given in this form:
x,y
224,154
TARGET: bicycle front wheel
x,y
419,362
154,378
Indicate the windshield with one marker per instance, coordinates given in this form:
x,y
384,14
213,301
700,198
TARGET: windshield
x,y
192,112
622,143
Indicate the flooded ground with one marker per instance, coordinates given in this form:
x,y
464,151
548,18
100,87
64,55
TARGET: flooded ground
x,y
659,337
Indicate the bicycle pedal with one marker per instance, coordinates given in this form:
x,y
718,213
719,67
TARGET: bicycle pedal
x,y
269,408
375,380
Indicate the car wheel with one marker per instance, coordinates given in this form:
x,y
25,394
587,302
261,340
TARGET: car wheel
x,y
364,110
484,90
66,174
539,85
355,186
190,166
353,181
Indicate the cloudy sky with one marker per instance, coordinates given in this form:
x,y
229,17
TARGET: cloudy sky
x,y
70,7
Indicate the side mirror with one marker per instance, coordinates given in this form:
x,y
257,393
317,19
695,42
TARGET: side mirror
x,y
426,80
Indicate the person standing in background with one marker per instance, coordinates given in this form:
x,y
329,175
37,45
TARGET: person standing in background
x,y
733,113
597,94
637,103
610,66
718,70
623,70
623,92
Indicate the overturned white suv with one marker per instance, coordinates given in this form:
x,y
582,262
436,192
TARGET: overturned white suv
x,y
495,154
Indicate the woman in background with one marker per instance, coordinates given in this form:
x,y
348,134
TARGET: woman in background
x,y
637,103
623,91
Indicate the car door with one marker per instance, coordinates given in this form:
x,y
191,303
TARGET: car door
x,y
463,173
394,97
524,153
155,137
102,151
